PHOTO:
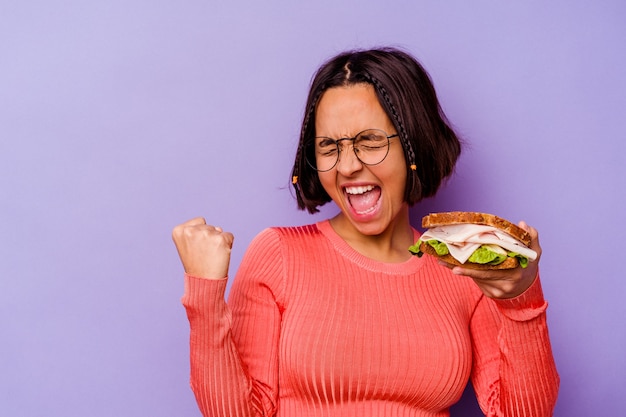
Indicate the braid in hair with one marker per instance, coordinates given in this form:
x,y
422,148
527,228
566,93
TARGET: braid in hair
x,y
300,166
414,186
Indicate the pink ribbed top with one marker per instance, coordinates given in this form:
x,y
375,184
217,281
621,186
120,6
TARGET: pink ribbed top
x,y
313,328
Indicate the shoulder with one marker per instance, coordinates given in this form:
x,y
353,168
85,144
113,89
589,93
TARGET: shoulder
x,y
278,241
296,232
273,252
287,235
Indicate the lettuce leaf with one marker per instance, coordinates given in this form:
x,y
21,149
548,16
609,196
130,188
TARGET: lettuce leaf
x,y
482,255
415,249
440,247
523,261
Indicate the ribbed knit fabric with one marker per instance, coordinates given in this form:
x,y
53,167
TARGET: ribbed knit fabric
x,y
313,328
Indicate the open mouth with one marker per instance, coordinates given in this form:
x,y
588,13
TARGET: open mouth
x,y
363,199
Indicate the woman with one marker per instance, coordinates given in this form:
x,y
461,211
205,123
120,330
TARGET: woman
x,y
337,318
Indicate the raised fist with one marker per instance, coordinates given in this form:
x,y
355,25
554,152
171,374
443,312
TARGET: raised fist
x,y
203,249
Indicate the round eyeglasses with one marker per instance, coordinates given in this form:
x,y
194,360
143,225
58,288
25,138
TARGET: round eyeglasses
x,y
370,146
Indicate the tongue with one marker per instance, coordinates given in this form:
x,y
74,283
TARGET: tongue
x,y
363,202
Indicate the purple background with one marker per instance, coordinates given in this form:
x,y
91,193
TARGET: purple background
x,y
120,119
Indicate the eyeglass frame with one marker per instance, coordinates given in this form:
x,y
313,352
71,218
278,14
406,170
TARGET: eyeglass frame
x,y
352,139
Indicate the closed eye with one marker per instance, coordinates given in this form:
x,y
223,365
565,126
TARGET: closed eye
x,y
327,147
371,142
326,142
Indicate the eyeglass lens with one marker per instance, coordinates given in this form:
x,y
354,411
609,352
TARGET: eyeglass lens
x,y
370,147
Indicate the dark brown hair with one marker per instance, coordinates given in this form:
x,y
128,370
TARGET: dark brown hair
x,y
406,93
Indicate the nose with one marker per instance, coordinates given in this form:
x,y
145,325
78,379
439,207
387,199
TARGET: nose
x,y
348,162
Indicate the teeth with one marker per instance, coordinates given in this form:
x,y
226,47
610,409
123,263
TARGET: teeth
x,y
359,190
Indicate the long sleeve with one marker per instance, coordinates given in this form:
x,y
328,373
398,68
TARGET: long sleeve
x,y
230,378
313,328
514,372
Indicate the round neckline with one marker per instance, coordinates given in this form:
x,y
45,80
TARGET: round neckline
x,y
409,266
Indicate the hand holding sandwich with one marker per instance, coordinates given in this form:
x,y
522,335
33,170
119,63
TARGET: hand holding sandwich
x,y
504,283
500,256
203,249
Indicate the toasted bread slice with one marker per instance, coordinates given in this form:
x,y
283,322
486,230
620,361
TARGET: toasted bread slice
x,y
463,217
509,263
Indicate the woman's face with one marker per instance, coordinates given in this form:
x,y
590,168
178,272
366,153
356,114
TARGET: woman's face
x,y
370,196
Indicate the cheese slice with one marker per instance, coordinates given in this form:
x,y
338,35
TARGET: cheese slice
x,y
463,239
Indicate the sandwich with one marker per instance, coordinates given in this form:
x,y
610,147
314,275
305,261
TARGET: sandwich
x,y
474,240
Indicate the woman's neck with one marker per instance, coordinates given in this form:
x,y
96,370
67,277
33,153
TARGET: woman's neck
x,y
390,246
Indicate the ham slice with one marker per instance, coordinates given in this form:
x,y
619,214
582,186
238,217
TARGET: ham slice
x,y
463,239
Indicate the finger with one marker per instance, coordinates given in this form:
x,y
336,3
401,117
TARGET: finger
x,y
523,225
534,240
195,221
229,238
488,275
199,232
534,236
531,230
479,274
445,264
179,230
482,274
